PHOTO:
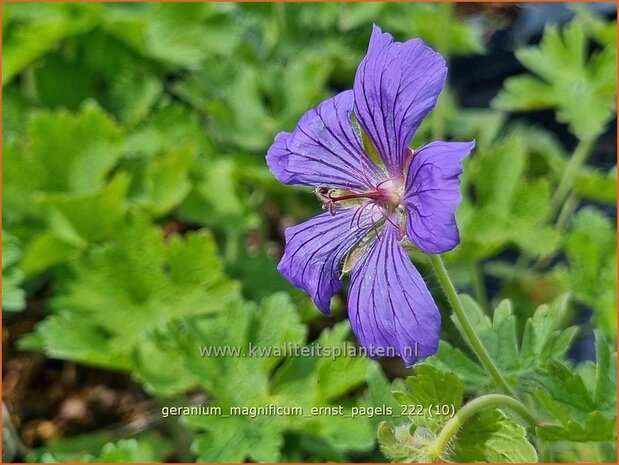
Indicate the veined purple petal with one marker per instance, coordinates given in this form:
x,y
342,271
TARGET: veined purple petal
x,y
432,194
316,248
389,305
324,149
396,86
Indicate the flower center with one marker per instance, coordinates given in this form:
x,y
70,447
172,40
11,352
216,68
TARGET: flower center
x,y
387,195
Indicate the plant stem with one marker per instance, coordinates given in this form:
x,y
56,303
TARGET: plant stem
x,y
477,281
563,202
438,446
280,15
179,433
469,331
568,208
580,155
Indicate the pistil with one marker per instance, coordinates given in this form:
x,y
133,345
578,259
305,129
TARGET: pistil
x,y
375,195
386,198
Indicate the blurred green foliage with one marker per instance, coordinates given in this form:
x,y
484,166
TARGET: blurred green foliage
x,y
138,205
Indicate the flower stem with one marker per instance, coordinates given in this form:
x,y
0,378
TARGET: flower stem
x,y
580,155
437,448
469,331
280,17
564,201
568,208
477,281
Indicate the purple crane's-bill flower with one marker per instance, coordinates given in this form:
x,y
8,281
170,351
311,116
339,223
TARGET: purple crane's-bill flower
x,y
354,150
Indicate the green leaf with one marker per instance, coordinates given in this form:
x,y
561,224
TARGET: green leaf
x,y
605,375
89,217
597,185
256,267
585,413
164,181
13,296
74,222
567,77
235,96
487,437
404,444
125,289
169,127
379,394
239,115
448,358
430,387
591,254
595,427
438,26
266,376
596,26
298,85
75,151
278,324
236,439
543,338
329,369
97,448
45,251
508,208
134,93
61,152
501,169
216,199
589,182
32,31
491,437
125,450
175,35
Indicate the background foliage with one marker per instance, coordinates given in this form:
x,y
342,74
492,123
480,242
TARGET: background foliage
x,y
140,222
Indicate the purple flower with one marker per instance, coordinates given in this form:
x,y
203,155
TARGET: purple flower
x,y
353,148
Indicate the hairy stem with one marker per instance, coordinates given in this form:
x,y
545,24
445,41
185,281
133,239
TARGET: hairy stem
x,y
439,445
469,332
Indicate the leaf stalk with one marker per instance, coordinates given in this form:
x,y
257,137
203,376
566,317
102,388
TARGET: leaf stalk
x,y
437,448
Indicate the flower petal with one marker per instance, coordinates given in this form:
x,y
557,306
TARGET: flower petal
x,y
324,149
389,306
432,194
396,86
316,248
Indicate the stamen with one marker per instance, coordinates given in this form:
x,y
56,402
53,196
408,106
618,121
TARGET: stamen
x,y
375,225
384,182
357,214
387,217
